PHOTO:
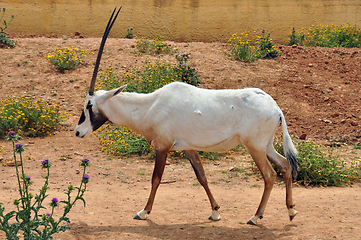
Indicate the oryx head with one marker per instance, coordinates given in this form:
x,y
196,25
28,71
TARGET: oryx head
x,y
92,117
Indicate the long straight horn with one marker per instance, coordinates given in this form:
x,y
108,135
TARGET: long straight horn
x,y
100,52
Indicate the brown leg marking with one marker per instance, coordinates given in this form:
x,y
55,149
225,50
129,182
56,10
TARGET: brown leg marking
x,y
201,176
269,176
286,170
160,159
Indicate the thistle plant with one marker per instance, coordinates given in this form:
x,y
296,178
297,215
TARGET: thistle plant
x,y
32,219
3,38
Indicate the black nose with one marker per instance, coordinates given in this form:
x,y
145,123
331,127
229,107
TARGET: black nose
x,y
77,133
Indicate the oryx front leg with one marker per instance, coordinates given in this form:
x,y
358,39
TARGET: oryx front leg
x,y
201,176
160,158
269,176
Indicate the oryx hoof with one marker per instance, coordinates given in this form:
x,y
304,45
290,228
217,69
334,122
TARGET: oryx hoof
x,y
292,213
215,216
141,215
253,221
137,217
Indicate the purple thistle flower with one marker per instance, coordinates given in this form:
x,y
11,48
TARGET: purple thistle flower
x,y
48,214
28,177
19,148
46,161
18,145
85,178
85,162
54,202
10,133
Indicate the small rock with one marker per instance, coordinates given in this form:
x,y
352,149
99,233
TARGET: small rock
x,y
354,123
77,171
310,65
303,136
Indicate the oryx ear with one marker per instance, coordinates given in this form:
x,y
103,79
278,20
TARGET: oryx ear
x,y
112,93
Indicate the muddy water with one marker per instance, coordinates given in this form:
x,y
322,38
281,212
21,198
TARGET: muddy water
x,y
178,20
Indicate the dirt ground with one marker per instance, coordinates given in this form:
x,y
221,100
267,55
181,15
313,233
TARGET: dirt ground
x,y
318,89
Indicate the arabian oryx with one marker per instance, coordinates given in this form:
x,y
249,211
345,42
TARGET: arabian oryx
x,y
179,116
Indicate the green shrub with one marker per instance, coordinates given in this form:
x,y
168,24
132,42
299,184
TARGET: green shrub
x,y
67,59
317,167
184,72
30,117
249,49
155,46
120,141
3,38
327,36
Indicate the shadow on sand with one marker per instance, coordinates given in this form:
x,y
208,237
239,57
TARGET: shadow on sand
x,y
199,230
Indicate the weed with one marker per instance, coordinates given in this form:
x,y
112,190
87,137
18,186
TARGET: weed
x,y
3,38
129,33
67,59
357,146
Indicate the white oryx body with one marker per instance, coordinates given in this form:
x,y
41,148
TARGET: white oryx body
x,y
183,117
189,118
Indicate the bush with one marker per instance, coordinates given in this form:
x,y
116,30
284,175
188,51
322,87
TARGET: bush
x,y
30,117
249,49
3,38
67,59
317,167
327,36
184,72
155,46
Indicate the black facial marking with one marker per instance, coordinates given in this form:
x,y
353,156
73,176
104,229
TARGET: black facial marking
x,y
98,119
82,118
89,105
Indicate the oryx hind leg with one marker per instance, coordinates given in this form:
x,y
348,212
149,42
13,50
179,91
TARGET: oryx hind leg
x,y
286,170
201,176
160,158
269,176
